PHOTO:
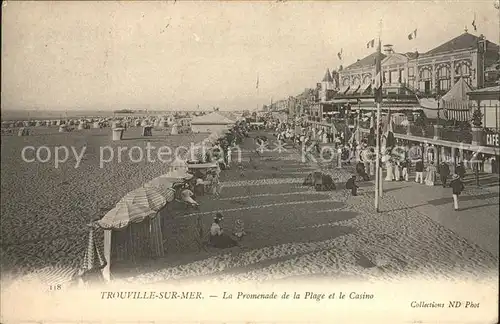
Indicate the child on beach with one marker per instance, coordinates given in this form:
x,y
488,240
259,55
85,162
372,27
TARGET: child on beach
x,y
239,230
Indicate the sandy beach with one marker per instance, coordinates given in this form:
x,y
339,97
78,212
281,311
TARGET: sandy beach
x,y
45,210
292,230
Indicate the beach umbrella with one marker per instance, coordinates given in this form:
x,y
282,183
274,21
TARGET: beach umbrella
x,y
146,196
92,259
123,214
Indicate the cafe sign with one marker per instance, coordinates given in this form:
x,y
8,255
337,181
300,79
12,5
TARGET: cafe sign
x,y
492,139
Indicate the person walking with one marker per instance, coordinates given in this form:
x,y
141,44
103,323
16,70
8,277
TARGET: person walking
x,y
430,177
460,170
406,167
419,172
397,171
444,172
457,187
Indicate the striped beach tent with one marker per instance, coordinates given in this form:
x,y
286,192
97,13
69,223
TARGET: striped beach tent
x,y
123,214
147,196
163,185
456,103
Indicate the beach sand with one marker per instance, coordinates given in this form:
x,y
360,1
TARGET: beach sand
x,y
293,231
45,210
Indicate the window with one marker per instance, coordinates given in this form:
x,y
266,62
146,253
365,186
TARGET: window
x,y
367,79
345,82
385,77
444,78
463,70
394,76
425,74
411,72
356,81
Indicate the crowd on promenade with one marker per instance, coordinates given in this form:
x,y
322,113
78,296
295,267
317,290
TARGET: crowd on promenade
x,y
399,161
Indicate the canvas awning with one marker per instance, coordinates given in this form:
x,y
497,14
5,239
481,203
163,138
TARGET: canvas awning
x,y
458,92
344,89
202,166
353,89
146,196
364,88
124,214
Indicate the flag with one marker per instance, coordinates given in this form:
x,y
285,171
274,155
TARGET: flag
x,y
339,54
474,24
412,35
370,43
378,75
257,85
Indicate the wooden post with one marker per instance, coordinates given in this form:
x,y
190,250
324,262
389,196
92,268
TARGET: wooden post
x,y
106,272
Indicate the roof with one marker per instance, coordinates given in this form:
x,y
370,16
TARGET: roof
x,y
489,93
411,55
486,90
462,42
327,77
213,118
366,61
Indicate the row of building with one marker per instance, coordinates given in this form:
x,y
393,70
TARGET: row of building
x,y
407,78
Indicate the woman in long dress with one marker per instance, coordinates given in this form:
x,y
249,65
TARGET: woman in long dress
x,y
389,169
430,177
397,171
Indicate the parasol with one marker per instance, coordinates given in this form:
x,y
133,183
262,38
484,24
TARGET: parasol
x,y
123,214
149,197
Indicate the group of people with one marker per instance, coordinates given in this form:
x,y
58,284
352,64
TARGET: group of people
x,y
218,238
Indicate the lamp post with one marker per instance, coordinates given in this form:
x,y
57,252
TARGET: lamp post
x,y
437,130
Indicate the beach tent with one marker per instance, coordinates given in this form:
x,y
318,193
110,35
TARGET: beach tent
x,y
178,176
131,231
178,165
149,197
23,131
164,186
124,214
455,102
213,122
174,130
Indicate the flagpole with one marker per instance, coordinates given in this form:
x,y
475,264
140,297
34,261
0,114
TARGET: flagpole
x,y
378,172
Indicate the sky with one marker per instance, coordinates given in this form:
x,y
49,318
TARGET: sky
x,y
181,55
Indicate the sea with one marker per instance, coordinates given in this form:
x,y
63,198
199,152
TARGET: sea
x,y
58,114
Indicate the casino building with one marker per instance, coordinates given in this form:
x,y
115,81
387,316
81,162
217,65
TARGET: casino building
x,y
446,83
432,73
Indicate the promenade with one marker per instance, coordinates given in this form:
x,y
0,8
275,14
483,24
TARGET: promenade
x,y
294,232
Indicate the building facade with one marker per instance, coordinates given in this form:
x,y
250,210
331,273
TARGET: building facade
x,y
430,74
